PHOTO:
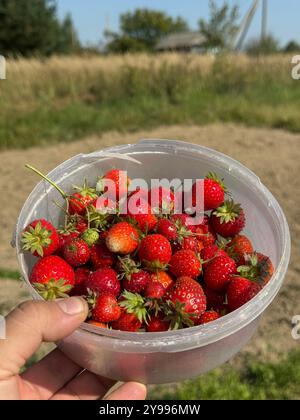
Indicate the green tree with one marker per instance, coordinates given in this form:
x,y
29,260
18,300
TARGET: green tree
x,y
292,46
141,30
268,45
220,29
29,27
68,41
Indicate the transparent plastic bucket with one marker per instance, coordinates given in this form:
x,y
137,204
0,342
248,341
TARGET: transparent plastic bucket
x,y
170,356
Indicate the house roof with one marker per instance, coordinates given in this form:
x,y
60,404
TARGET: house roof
x,y
181,40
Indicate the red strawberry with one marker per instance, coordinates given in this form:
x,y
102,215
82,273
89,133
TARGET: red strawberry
x,y
101,256
258,267
215,300
213,189
104,281
162,199
186,303
52,277
158,324
218,272
182,219
137,282
154,290
163,278
208,317
81,276
80,200
211,252
185,263
81,226
188,244
76,252
155,251
238,248
168,229
240,291
205,235
106,309
98,324
140,212
122,239
65,237
228,220
120,181
127,322
40,238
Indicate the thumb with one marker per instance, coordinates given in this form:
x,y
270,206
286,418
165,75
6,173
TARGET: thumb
x,y
33,323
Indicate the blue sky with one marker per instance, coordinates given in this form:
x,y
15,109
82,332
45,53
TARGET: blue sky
x,y
92,16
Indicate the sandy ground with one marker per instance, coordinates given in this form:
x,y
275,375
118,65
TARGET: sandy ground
x,y
273,155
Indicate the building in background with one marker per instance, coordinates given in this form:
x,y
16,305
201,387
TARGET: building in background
x,y
182,42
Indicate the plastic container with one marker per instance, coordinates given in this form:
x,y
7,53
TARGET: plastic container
x,y
171,356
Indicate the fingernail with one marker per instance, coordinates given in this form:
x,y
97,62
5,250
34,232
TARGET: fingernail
x,y
72,306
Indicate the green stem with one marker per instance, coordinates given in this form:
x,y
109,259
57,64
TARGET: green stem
x,y
63,194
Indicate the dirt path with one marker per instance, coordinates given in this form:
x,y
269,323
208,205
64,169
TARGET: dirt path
x,y
273,155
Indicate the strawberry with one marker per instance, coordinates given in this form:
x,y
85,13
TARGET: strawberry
x,y
215,300
127,322
185,263
218,272
258,267
155,251
186,302
81,226
182,219
122,239
213,189
158,324
106,309
140,212
228,220
40,238
81,276
101,256
79,201
162,199
240,291
163,278
211,252
90,236
188,244
120,181
205,234
154,290
76,252
52,277
238,248
104,281
66,236
135,280
97,324
168,229
208,317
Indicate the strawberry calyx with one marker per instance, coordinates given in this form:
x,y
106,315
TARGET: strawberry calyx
x,y
135,304
128,267
98,219
254,270
177,316
155,266
53,289
36,239
228,212
86,190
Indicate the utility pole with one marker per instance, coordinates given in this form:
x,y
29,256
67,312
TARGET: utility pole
x,y
264,21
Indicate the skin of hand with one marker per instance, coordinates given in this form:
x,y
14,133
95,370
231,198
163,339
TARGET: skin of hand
x,y
55,377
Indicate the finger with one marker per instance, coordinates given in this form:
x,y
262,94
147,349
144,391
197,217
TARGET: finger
x,y
86,386
34,322
128,391
48,376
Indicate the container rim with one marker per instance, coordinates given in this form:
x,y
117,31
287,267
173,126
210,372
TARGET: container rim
x,y
206,334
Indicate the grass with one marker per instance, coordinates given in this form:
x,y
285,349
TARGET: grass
x,y
256,381
62,99
9,274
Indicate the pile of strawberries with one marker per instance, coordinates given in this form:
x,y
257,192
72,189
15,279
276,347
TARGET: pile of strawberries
x,y
148,271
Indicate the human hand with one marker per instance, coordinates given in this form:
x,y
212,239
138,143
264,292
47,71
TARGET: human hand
x,y
56,377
